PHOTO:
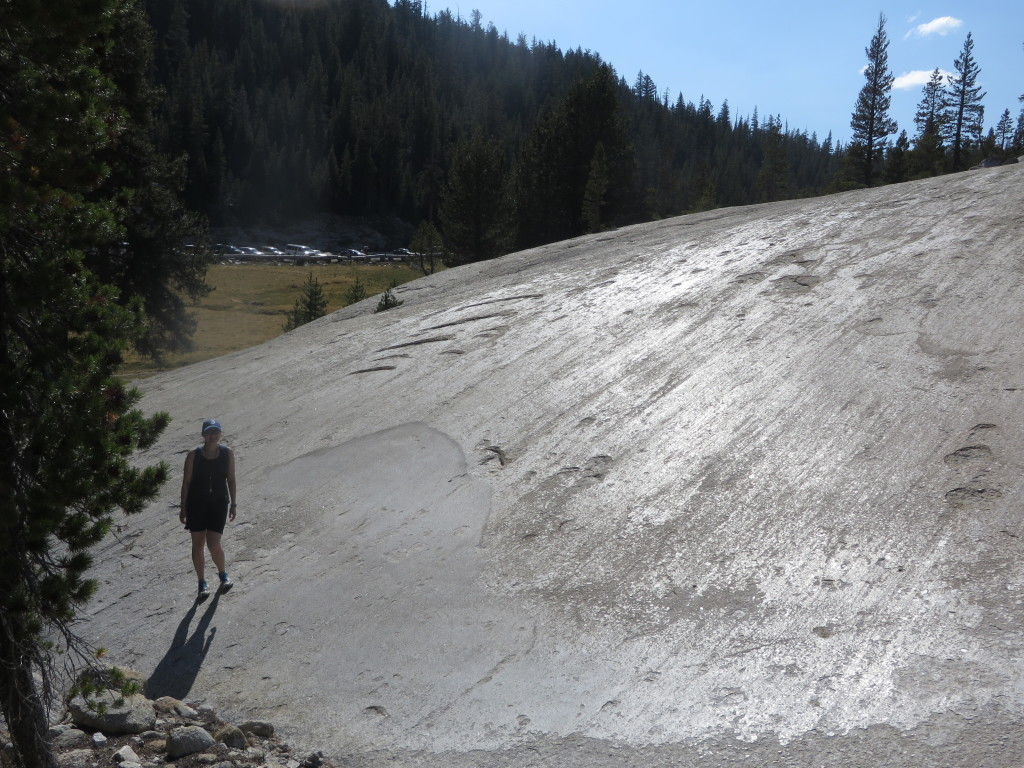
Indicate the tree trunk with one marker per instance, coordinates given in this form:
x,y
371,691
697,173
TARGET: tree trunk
x,y
20,704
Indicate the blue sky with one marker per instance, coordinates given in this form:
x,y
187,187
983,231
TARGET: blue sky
x,y
799,59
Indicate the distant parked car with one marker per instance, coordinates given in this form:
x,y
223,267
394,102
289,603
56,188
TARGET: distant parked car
x,y
302,251
352,253
272,251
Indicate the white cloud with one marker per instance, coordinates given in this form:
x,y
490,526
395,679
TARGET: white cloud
x,y
916,79
913,79
940,26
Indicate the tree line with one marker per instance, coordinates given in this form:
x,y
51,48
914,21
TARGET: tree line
x,y
361,108
370,109
949,122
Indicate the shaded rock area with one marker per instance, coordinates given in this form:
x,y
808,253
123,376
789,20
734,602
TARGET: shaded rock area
x,y
735,488
140,733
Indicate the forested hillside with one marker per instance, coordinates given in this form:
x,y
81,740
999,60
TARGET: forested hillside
x,y
360,108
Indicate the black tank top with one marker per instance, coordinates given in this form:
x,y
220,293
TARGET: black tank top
x,y
209,477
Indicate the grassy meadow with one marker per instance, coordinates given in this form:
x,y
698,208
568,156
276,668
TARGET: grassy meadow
x,y
249,303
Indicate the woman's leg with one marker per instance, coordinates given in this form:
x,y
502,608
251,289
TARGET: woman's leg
x,y
216,551
199,539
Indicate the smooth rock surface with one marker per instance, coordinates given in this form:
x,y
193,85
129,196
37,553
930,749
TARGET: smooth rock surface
x,y
732,488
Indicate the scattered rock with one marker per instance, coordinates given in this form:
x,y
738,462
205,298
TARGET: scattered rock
x,y
219,744
232,736
165,705
126,755
259,728
68,737
187,740
111,713
75,757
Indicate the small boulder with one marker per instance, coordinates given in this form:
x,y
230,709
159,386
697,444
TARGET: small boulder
x,y
232,737
187,740
67,738
166,705
260,728
99,739
126,755
130,714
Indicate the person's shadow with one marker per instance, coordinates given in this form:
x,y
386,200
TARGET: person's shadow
x,y
178,669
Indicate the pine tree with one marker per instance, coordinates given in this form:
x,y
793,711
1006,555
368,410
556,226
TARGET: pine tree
x,y
474,205
596,190
160,256
310,305
931,110
928,155
897,161
965,112
68,426
356,292
555,164
773,179
870,122
428,245
388,300
1004,131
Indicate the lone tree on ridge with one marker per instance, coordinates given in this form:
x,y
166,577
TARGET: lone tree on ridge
x,y
870,122
965,110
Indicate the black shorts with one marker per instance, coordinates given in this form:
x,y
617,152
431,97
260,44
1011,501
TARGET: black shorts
x,y
207,516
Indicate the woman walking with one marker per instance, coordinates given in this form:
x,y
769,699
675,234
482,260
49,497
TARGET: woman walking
x,y
208,502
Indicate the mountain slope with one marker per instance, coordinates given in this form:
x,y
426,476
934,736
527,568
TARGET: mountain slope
x,y
717,488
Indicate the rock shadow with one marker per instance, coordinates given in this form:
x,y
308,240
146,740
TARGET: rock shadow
x,y
176,672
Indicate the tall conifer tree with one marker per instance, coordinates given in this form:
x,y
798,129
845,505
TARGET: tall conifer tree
x,y
870,121
474,204
965,112
928,156
931,110
67,425
773,180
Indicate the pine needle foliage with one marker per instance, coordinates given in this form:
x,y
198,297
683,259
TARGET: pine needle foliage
x,y
870,122
68,425
388,300
310,305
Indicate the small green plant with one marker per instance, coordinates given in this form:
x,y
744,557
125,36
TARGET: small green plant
x,y
96,680
356,292
388,299
309,306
